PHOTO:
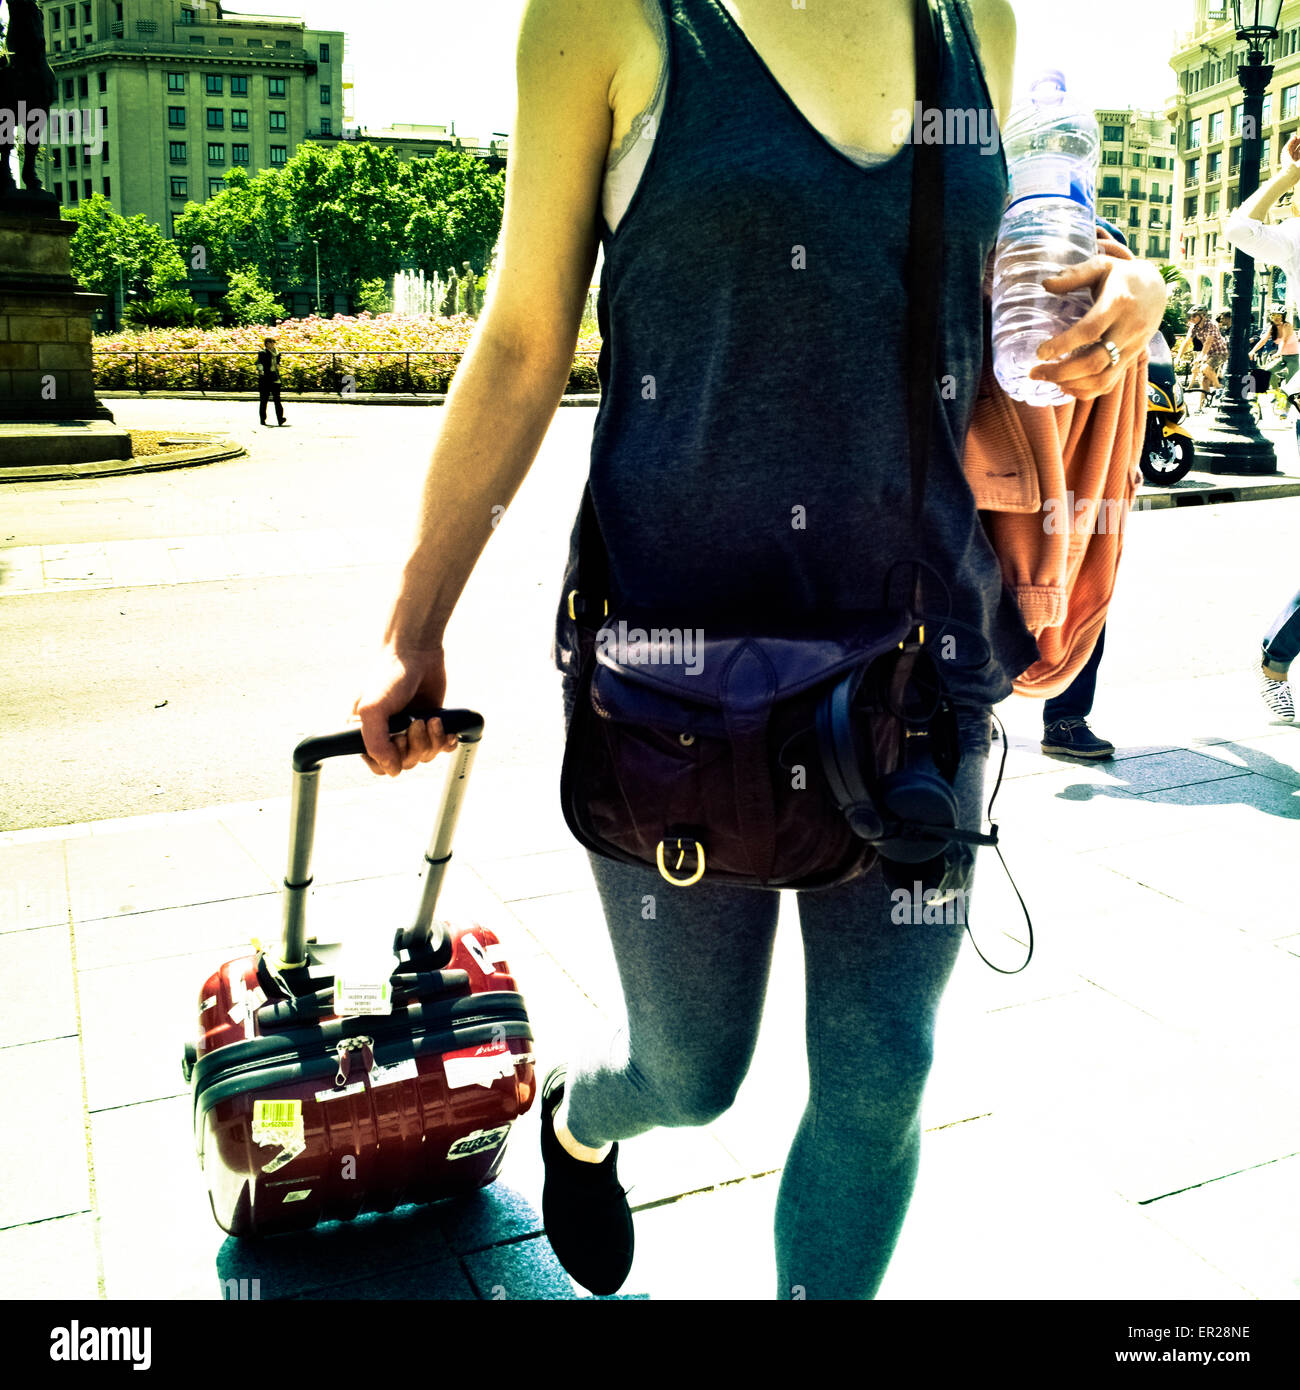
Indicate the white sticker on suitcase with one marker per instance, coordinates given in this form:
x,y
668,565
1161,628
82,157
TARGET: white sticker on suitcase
x,y
287,1154
478,1066
478,1142
299,1194
379,1076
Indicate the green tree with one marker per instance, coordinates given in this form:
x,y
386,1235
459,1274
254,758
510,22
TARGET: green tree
x,y
251,300
373,296
454,207
107,248
1178,305
248,225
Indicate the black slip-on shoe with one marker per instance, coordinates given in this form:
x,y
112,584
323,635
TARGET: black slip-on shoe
x,y
584,1210
1074,739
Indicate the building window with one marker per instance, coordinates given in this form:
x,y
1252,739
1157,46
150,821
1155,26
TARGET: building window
x,y
1193,172
1136,160
175,116
1266,152
187,16
1213,165
216,119
239,86
326,126
1194,134
1190,207
215,186
283,43
85,11
87,187
1237,113
103,152
117,11
239,154
216,154
83,85
275,86
1267,117
103,82
213,82
226,43
1212,204
1157,161
72,192
175,81
1112,157
324,53
279,154
255,43
1110,186
57,20
72,42
1113,132
72,156
176,151
1109,211
58,45
56,156
1289,101
58,192
324,96
108,188
278,120
180,187
239,120
1216,126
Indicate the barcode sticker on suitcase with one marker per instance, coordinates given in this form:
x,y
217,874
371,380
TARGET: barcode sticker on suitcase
x,y
277,1122
352,998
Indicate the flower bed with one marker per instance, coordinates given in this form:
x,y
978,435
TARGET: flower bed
x,y
169,359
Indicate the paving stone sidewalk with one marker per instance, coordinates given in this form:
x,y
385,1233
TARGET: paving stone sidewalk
x,y
1120,1121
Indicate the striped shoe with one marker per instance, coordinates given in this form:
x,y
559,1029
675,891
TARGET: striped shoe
x,y
1277,695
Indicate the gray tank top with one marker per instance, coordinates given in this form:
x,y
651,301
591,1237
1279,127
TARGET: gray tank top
x,y
749,456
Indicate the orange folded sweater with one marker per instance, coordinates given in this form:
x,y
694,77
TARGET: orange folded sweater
x,y
1054,485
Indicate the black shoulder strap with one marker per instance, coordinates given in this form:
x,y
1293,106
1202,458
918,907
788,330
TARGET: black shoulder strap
x,y
924,289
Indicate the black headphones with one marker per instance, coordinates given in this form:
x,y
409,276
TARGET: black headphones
x,y
910,815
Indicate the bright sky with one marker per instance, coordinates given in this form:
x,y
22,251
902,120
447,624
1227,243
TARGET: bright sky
x,y
435,61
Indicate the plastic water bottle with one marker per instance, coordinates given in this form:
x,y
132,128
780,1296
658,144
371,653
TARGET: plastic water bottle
x,y
1051,145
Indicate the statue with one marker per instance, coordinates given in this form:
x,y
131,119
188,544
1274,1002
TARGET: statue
x,y
27,88
469,286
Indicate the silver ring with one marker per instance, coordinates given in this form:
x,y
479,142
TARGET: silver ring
x,y
1114,353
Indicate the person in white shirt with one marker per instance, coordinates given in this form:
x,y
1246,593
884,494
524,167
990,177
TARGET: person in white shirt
x,y
1275,245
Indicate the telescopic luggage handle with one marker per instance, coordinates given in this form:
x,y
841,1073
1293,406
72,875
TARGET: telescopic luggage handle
x,y
465,724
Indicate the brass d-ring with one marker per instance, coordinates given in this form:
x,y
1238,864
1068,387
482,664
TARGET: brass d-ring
x,y
699,863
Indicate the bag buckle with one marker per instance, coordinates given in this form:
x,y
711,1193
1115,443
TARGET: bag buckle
x,y
575,601
915,641
680,841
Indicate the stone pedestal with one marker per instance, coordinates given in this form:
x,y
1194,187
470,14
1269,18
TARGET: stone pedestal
x,y
45,323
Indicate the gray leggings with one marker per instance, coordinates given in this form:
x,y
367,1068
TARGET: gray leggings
x,y
693,981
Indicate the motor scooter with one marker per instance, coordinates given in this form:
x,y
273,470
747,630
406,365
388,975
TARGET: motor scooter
x,y
1168,451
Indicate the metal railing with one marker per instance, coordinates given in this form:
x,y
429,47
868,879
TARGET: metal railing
x,y
197,355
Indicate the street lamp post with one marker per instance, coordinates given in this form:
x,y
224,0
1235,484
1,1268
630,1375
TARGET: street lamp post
x,y
316,244
1234,443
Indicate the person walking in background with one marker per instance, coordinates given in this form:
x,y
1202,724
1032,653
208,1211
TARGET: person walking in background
x,y
1281,647
268,379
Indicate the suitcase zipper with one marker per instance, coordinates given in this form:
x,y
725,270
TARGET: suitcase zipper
x,y
341,1050
344,1051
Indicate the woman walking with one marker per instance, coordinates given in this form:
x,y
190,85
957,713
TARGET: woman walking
x,y
739,471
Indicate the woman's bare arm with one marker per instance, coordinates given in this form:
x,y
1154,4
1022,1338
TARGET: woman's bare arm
x,y
506,391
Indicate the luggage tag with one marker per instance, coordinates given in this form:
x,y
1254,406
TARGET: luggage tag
x,y
361,979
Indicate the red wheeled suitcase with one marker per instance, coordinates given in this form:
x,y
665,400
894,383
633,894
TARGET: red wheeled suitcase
x,y
317,1096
